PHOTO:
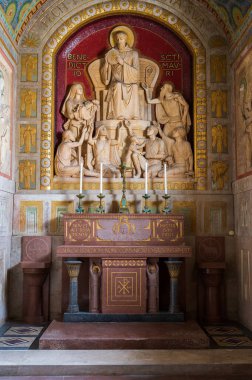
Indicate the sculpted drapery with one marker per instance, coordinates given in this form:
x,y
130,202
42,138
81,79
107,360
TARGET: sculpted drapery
x,y
121,73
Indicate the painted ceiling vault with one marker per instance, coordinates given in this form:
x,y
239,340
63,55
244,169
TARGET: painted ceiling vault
x,y
14,13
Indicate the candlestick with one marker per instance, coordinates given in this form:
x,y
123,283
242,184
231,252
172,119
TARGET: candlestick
x,y
100,209
165,179
101,179
79,208
146,177
166,209
146,209
81,176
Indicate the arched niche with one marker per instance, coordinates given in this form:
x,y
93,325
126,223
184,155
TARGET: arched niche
x,y
50,97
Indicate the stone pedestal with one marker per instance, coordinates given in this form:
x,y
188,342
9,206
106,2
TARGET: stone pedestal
x,y
212,275
34,281
36,262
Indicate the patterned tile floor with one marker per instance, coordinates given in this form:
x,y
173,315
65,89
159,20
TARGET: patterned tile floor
x,y
230,335
14,336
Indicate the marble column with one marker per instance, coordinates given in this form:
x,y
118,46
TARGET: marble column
x,y
173,266
73,268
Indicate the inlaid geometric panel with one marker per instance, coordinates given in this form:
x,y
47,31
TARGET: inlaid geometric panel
x,y
124,286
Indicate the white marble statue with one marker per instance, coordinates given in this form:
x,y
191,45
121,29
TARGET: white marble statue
x,y
120,73
67,163
180,161
105,151
78,111
171,110
154,151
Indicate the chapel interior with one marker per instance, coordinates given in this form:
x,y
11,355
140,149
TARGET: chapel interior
x,y
125,162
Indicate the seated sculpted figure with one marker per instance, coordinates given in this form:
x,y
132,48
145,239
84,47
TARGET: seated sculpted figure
x,y
155,151
121,74
66,162
171,110
180,162
103,152
79,111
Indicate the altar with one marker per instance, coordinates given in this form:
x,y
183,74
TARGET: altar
x,y
124,254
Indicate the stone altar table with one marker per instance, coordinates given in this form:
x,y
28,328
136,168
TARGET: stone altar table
x,y
123,252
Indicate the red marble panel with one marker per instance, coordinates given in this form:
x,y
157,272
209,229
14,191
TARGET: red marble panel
x,y
36,248
210,249
124,286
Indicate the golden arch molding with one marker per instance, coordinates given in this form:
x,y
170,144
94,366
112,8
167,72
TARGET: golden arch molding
x,y
199,79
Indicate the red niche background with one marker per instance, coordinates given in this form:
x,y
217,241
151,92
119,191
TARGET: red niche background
x,y
152,40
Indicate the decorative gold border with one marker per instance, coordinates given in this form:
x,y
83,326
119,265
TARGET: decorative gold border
x,y
22,217
133,7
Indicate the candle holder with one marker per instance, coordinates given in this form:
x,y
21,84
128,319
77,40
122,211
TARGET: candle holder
x,y
166,209
123,209
146,209
80,209
100,209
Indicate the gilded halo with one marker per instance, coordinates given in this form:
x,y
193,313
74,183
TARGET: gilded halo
x,y
124,29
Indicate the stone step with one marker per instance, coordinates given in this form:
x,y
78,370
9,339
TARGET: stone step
x,y
130,335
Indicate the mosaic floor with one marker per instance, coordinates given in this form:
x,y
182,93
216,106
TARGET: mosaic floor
x,y
20,336
26,337
229,336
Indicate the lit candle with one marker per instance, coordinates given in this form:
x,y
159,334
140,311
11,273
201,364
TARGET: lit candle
x,y
101,165
165,179
81,176
146,177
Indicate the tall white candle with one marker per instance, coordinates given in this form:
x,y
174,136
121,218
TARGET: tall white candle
x,y
165,179
146,177
81,176
101,168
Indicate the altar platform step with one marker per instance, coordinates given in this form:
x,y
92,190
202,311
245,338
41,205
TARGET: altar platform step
x,y
132,335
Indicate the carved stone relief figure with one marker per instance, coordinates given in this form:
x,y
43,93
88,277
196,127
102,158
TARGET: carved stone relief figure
x,y
246,112
5,119
66,161
104,151
80,114
134,152
121,74
78,111
172,110
155,151
180,161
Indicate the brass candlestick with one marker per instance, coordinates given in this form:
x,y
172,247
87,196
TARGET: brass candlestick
x,y
80,209
166,209
100,209
146,209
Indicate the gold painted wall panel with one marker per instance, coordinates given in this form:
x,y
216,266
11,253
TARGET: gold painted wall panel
x,y
31,217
